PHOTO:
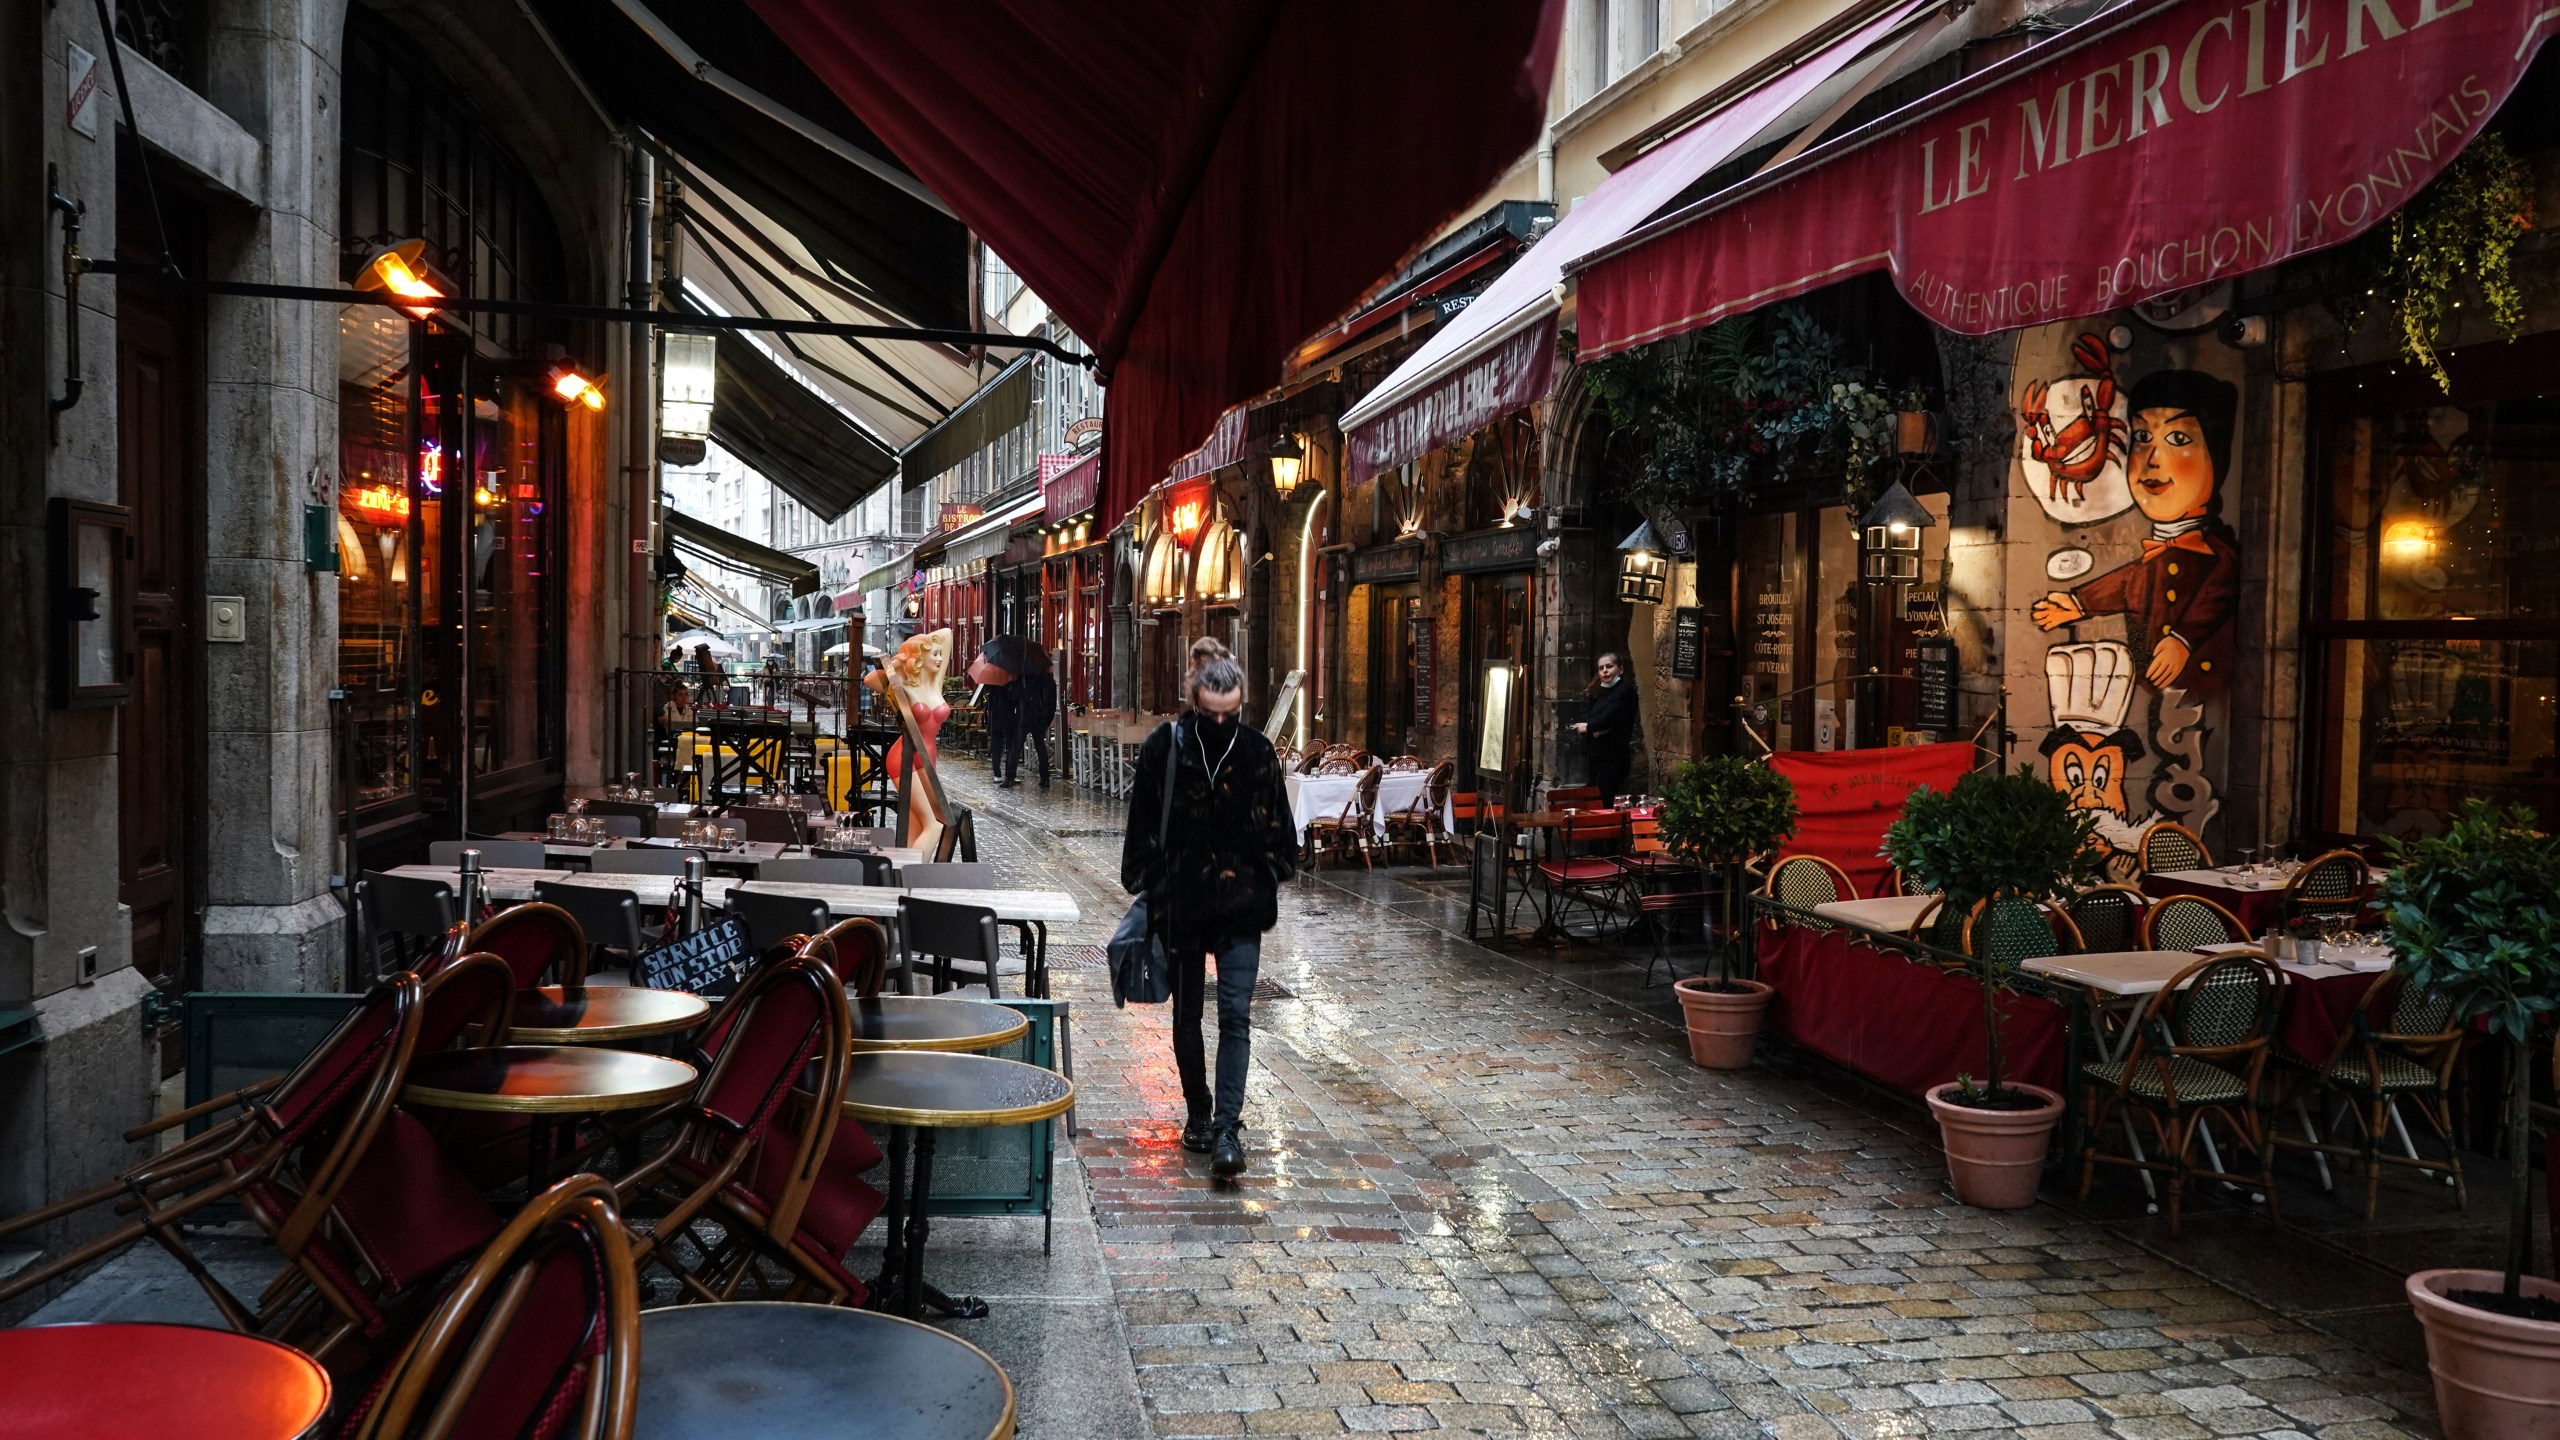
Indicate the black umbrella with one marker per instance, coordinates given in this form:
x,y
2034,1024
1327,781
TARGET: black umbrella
x,y
1015,655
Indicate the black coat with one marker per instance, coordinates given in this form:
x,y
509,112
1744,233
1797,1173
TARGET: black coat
x,y
1004,706
1228,847
1039,692
1612,717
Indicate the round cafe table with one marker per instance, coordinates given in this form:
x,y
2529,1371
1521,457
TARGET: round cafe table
x,y
932,1022
545,1083
796,1372
147,1381
602,1014
916,1093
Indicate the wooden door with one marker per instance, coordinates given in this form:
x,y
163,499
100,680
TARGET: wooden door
x,y
159,460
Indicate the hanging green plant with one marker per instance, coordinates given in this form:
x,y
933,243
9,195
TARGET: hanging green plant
x,y
2465,223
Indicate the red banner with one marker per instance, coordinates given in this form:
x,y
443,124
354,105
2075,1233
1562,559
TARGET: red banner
x,y
1845,798
1514,373
2172,145
1072,489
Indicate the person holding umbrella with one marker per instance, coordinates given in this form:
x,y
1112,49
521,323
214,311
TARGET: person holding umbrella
x,y
1022,697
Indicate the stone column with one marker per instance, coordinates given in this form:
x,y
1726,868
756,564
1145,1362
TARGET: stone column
x,y
271,439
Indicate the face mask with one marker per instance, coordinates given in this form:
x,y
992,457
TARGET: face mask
x,y
1217,729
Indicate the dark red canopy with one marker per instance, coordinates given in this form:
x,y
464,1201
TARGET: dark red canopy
x,y
1195,188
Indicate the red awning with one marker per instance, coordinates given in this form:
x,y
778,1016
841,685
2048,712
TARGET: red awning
x,y
2166,145
1193,188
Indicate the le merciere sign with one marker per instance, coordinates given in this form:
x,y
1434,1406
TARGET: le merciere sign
x,y
2179,144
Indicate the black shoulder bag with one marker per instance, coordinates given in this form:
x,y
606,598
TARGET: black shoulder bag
x,y
1141,970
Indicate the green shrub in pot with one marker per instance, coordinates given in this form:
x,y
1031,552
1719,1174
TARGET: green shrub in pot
x,y
1721,811
2474,916
1990,836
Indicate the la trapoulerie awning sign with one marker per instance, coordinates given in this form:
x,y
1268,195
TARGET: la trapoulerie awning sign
x,y
2172,144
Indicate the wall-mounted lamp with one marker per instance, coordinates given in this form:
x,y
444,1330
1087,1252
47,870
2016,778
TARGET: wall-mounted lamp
x,y
1643,568
688,369
1889,537
1287,460
573,388
401,270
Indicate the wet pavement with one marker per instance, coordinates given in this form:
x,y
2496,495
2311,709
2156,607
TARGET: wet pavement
x,y
1490,1195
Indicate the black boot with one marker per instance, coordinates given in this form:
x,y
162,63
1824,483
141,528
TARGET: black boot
x,y
1195,1133
1226,1153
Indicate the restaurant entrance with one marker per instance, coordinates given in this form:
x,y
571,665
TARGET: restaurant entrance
x,y
1494,612
1396,616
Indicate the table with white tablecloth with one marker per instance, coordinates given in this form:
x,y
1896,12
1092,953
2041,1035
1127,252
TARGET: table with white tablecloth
x,y
1325,797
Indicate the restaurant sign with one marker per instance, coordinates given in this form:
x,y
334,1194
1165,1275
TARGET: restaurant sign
x,y
1498,549
1186,511
1485,388
1072,490
1387,562
2136,157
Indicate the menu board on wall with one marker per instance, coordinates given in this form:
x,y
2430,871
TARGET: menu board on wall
x,y
1934,665
1422,667
1688,636
1492,751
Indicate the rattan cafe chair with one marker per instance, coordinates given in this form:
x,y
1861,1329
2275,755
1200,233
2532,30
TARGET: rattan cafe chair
x,y
2189,922
2200,1052
1800,882
2171,846
2109,917
2402,1044
2331,886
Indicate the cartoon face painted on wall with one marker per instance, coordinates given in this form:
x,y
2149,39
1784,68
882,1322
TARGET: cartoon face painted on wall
x,y
2178,596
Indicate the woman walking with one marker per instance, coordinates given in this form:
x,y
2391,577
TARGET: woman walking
x,y
1228,844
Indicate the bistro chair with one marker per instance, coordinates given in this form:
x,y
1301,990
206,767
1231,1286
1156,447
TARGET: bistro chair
x,y
411,913
773,824
949,935
825,870
635,809
2402,1044
856,952
2008,930
1419,821
1648,858
494,854
2189,922
778,1171
876,869
1404,764
2168,845
1941,927
1469,809
1671,914
539,1339
1800,882
1580,797
2108,917
622,827
1592,877
640,860
2331,886
610,919
344,1088
1894,884
775,923
1351,829
537,941
1337,765
2199,1051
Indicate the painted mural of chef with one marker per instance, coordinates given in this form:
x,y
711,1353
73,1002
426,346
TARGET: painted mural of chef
x,y
2179,596
2090,753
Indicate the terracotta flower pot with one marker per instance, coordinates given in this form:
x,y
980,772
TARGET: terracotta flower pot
x,y
1915,432
2497,1376
1722,1024
1996,1156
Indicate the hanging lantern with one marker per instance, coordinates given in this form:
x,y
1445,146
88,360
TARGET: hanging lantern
x,y
687,377
1889,537
1643,569
1287,459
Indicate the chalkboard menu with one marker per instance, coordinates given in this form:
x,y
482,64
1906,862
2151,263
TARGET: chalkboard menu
x,y
1688,627
1934,666
1423,640
709,962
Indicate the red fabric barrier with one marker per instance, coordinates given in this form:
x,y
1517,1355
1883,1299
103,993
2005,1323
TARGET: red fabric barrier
x,y
1845,798
2318,1011
1909,1026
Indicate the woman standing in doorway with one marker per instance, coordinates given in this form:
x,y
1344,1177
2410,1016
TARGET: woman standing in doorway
x,y
1215,881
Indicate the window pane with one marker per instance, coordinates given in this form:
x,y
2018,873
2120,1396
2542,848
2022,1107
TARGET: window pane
x,y
2419,726
376,548
1772,590
2447,513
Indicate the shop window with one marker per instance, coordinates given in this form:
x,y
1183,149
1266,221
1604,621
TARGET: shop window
x,y
2437,640
511,589
377,550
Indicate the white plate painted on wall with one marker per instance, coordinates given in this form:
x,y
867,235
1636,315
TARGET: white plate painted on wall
x,y
2069,564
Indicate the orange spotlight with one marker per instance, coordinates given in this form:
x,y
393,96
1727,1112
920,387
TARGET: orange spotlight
x,y
576,389
397,269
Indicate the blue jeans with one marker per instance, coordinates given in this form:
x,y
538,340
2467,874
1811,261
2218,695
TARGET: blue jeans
x,y
1238,960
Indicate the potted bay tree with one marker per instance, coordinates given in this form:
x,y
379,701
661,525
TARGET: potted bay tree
x,y
2474,917
1994,837
1719,812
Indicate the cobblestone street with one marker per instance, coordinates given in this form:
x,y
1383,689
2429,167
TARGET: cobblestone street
x,y
1488,1199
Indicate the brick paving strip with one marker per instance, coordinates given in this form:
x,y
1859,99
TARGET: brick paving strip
x,y
1491,1202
